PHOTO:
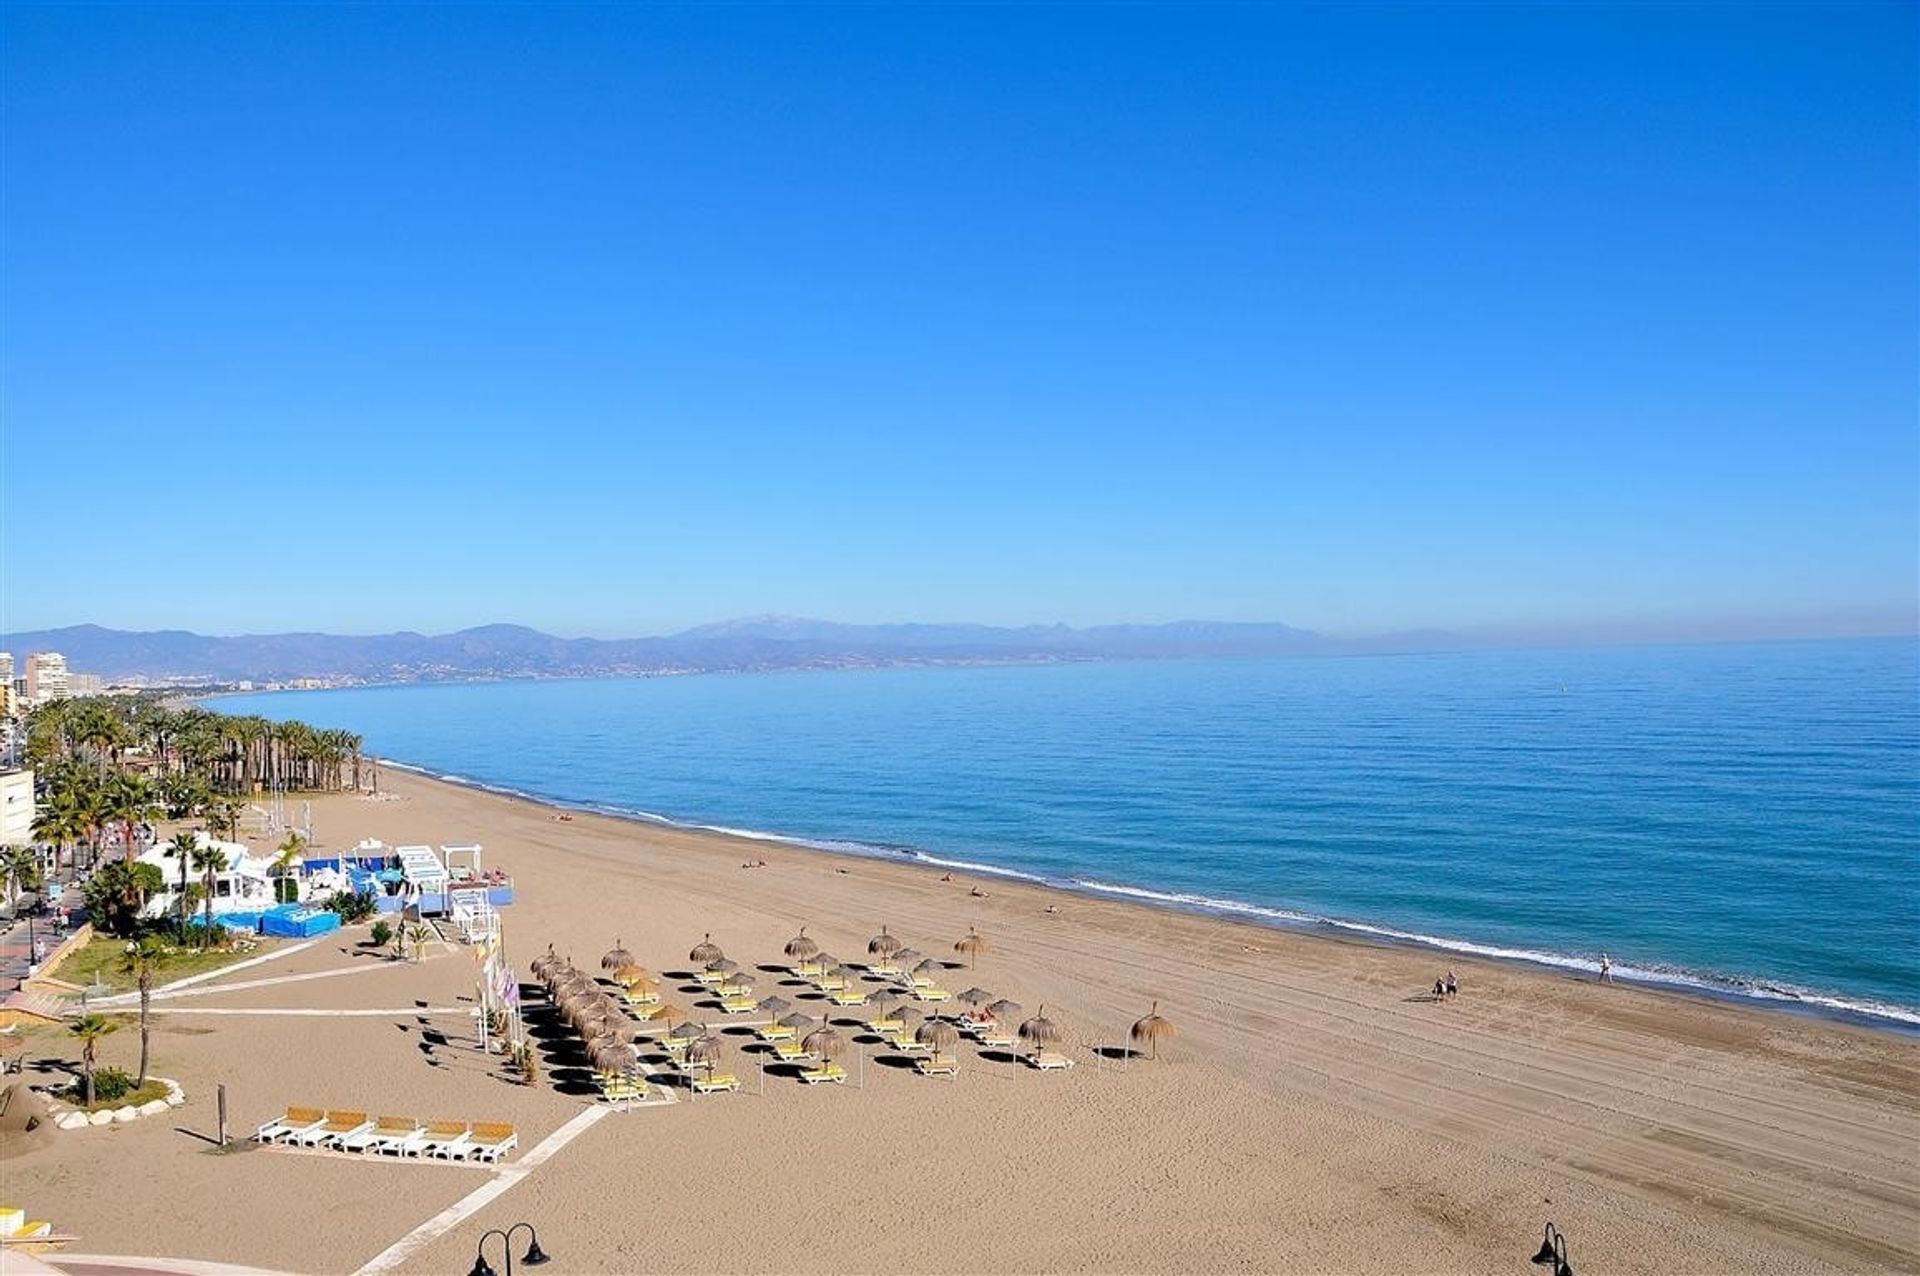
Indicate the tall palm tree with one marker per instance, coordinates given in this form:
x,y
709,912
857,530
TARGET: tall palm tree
x,y
143,961
20,870
208,861
182,847
89,1029
129,801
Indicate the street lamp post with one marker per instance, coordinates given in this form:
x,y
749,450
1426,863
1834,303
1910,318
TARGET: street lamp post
x,y
532,1258
1552,1254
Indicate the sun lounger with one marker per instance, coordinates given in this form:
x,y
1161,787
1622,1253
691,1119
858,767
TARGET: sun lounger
x,y
927,992
716,1083
832,1072
385,1132
937,1067
919,981
790,1052
884,1024
905,1044
774,1032
490,1140
443,1138
641,997
1049,1061
737,1005
711,978
827,984
848,997
884,970
295,1121
338,1125
996,1039
807,969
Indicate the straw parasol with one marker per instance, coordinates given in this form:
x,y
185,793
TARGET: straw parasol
x,y
883,998
615,1057
616,957
704,1053
1152,1029
928,967
826,961
705,952
975,997
800,947
938,1034
688,1031
973,945
1040,1030
544,962
631,977
797,1021
666,1012
737,984
883,945
722,966
1003,1010
825,1042
774,1007
907,956
907,1014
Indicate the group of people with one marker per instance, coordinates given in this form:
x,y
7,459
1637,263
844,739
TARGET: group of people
x,y
1446,987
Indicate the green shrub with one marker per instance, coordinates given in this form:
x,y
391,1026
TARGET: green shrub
x,y
353,907
109,1085
382,934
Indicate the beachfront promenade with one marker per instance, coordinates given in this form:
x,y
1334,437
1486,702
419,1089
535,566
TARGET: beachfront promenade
x,y
1311,1103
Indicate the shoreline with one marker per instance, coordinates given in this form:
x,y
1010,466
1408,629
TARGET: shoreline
x,y
1897,1021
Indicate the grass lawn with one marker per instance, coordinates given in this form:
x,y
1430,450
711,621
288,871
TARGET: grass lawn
x,y
102,957
146,1093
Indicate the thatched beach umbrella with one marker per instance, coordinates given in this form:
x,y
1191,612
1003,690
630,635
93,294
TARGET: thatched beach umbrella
x,y
1003,1010
800,947
907,1015
1041,1031
797,1021
937,1034
883,945
688,1031
1152,1030
615,1057
929,968
773,1007
826,961
544,962
616,957
722,966
631,976
972,945
704,952
837,972
666,1012
975,997
739,981
906,957
705,1053
824,1042
883,998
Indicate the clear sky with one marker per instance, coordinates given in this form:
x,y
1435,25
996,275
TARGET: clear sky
x,y
616,319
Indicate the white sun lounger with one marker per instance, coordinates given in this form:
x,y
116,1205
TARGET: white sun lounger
x,y
443,1139
294,1121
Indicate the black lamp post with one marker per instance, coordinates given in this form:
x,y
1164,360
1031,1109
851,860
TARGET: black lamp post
x,y
1551,1255
532,1258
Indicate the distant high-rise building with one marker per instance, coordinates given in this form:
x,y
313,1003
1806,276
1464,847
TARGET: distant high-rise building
x,y
8,707
46,677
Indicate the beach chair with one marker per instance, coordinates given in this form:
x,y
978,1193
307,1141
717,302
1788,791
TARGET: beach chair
x,y
295,1121
773,1032
385,1131
928,992
830,983
848,997
444,1139
808,969
790,1052
737,1005
718,1082
1049,1061
338,1125
640,996
937,1067
904,1043
622,1091
996,1039
884,970
489,1141
711,978
827,1072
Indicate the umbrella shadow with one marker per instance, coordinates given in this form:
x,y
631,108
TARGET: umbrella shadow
x,y
871,1038
795,983
999,1056
737,1030
894,1061
1118,1052
676,974
848,1021
788,1071
769,968
576,1082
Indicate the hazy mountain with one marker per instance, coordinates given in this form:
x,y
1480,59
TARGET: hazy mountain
x,y
514,651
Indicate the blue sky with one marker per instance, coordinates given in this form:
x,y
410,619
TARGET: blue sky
x,y
615,319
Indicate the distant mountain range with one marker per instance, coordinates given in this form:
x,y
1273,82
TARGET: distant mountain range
x,y
762,642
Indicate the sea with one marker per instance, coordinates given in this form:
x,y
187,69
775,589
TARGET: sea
x,y
1741,820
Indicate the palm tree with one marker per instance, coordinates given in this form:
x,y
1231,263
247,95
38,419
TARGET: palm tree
x,y
208,861
143,961
417,936
89,1029
128,802
20,869
182,848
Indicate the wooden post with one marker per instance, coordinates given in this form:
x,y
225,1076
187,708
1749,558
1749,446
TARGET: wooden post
x,y
222,1091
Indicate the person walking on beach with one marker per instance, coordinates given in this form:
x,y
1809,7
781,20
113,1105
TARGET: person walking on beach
x,y
1606,969
1453,985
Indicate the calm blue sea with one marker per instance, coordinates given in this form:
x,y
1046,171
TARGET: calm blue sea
x,y
1744,817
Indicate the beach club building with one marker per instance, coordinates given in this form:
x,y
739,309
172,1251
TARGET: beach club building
x,y
246,893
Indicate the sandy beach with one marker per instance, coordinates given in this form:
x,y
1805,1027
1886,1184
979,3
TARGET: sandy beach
x,y
1315,1113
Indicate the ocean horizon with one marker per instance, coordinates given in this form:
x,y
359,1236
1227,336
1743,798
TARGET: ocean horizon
x,y
1733,819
